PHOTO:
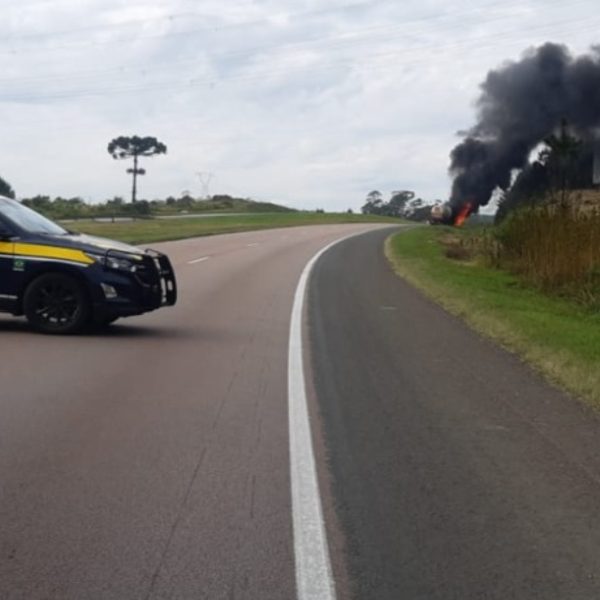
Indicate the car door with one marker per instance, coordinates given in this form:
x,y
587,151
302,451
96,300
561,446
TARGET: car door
x,y
8,276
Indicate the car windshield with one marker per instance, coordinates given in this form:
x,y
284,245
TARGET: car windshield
x,y
27,219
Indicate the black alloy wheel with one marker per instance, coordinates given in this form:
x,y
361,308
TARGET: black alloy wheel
x,y
56,303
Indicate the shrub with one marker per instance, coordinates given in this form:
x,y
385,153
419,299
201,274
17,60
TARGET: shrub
x,y
555,247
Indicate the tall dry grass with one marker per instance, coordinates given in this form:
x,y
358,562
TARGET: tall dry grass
x,y
555,246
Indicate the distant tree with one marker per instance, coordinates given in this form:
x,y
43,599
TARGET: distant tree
x,y
396,207
373,204
350,211
116,201
185,201
134,147
62,208
39,203
6,189
223,200
415,204
398,204
559,157
113,207
141,207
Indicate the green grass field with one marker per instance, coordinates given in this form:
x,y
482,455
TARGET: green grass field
x,y
156,230
560,338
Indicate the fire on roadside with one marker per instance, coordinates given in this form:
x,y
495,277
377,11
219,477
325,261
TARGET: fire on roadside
x,y
463,214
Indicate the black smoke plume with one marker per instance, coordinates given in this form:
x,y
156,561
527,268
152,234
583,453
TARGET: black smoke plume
x,y
521,104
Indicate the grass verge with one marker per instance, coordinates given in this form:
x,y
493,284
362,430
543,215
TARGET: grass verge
x,y
559,338
157,230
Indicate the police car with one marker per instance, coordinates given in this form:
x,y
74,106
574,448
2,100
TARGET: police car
x,y
63,281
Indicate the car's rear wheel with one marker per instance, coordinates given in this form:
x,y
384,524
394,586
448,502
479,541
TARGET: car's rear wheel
x,y
56,303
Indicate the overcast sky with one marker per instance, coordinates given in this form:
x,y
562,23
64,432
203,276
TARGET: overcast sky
x,y
310,103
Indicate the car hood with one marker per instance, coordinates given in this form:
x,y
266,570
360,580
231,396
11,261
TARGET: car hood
x,y
90,243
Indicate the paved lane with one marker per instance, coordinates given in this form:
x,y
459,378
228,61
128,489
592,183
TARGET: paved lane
x,y
152,461
456,473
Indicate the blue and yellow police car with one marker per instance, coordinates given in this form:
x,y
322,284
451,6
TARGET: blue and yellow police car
x,y
64,281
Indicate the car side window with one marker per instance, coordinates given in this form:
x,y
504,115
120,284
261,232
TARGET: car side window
x,y
4,230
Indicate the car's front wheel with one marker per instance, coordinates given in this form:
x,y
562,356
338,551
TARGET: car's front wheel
x,y
56,303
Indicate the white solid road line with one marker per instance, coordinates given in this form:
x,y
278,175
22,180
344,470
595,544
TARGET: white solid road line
x,y
314,578
198,260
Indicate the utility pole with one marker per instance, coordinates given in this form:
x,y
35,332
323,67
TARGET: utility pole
x,y
205,178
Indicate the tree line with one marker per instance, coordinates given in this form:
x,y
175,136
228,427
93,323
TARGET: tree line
x,y
565,164
77,208
402,204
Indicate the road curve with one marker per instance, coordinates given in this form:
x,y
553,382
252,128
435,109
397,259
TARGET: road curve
x,y
152,461
454,471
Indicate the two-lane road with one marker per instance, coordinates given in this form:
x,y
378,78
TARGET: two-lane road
x,y
153,461
456,472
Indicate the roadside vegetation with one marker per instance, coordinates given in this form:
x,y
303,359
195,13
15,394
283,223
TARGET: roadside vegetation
x,y
531,283
154,230
142,221
532,280
554,248
115,208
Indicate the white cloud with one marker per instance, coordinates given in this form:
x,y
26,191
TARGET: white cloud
x,y
308,103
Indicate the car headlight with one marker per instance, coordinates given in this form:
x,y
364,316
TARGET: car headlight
x,y
118,263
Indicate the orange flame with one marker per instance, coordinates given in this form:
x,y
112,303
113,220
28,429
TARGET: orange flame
x,y
463,214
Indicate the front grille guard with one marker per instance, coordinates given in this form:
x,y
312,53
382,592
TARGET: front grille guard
x,y
166,274
156,273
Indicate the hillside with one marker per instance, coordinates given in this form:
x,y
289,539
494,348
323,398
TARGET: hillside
x,y
219,203
77,208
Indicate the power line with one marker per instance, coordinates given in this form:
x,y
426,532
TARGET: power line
x,y
414,53
345,41
177,16
428,19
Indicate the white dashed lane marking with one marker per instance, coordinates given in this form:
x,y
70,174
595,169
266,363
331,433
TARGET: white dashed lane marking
x,y
198,260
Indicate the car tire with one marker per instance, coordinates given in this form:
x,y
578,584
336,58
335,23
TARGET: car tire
x,y
56,303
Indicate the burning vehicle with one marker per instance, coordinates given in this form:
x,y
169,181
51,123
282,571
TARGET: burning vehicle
x,y
445,214
440,214
523,104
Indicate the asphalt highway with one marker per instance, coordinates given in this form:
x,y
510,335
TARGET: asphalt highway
x,y
455,472
152,461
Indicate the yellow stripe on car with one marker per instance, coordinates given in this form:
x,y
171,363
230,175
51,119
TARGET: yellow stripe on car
x,y
41,251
